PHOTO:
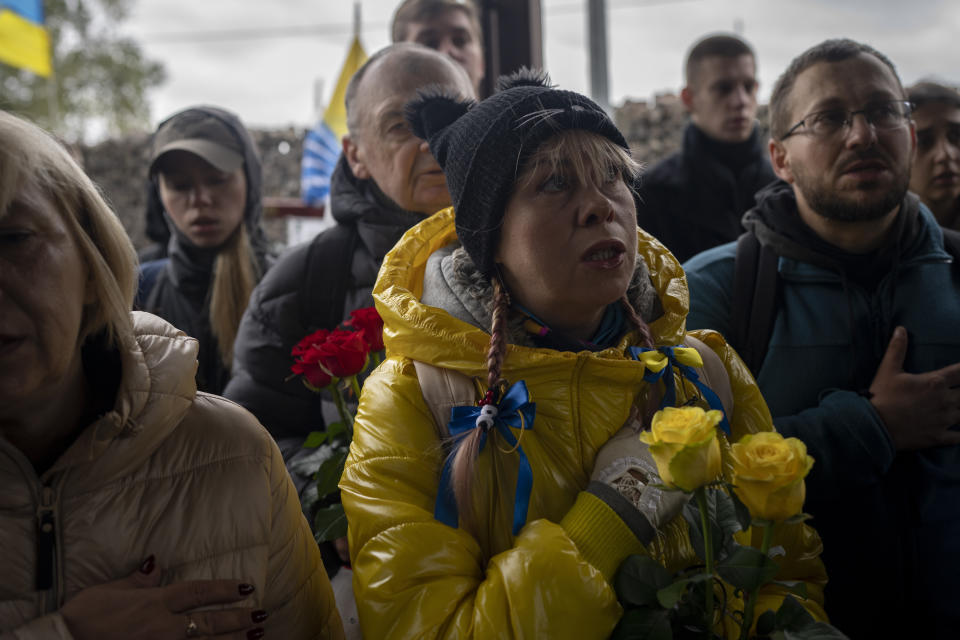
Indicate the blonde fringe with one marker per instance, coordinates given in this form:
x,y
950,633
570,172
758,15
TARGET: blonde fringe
x,y
235,274
580,155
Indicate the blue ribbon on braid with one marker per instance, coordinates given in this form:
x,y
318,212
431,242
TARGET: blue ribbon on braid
x,y
514,410
660,363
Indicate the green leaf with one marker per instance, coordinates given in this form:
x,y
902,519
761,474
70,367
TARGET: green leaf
x,y
726,524
692,515
330,523
766,623
643,624
722,517
669,596
727,517
328,475
334,429
747,568
791,616
793,586
638,579
314,439
743,513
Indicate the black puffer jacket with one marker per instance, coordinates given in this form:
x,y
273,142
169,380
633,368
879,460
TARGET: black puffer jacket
x,y
179,285
693,200
281,310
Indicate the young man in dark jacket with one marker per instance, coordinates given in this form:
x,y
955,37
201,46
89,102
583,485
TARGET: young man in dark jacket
x,y
693,200
862,359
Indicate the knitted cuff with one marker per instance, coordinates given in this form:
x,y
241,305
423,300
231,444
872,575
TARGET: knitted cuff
x,y
601,536
637,522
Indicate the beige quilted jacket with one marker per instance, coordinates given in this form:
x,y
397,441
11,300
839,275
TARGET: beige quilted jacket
x,y
189,477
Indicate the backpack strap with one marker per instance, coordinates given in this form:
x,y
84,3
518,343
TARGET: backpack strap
x,y
754,304
329,275
714,374
442,390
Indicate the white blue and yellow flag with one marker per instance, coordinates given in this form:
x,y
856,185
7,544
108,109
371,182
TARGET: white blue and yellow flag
x,y
321,148
24,41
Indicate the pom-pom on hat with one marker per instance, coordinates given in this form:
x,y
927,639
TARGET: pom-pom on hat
x,y
483,146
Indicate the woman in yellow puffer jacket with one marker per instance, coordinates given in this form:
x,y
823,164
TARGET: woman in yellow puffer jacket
x,y
529,291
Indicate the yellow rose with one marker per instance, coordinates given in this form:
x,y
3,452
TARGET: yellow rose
x,y
683,443
768,473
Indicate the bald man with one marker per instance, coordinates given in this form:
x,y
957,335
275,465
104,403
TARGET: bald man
x,y
386,181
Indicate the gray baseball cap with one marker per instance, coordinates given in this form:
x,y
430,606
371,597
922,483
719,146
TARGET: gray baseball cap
x,y
202,134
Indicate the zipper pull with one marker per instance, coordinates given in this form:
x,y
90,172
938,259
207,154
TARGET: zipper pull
x,y
46,540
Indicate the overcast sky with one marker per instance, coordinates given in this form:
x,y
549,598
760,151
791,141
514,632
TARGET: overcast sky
x,y
267,69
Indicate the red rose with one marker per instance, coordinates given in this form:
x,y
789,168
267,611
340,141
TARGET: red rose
x,y
343,353
315,375
304,345
368,322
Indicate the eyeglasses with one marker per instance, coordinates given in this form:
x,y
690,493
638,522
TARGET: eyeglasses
x,y
882,116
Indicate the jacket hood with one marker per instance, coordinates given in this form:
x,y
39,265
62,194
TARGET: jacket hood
x,y
432,335
776,223
157,387
157,226
378,219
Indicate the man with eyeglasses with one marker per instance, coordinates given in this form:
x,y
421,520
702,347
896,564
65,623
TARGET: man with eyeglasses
x,y
693,199
936,170
859,307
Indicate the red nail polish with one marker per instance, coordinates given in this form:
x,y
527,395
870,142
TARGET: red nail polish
x,y
259,615
245,589
255,634
148,565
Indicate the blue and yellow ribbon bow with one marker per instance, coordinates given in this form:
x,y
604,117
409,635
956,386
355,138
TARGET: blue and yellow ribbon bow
x,y
514,410
661,362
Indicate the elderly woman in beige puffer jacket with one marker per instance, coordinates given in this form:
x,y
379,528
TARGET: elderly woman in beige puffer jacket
x,y
131,505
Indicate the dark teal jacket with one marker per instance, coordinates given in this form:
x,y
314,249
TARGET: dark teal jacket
x,y
890,521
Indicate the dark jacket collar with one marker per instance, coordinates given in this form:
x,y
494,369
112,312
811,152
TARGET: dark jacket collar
x,y
777,223
379,220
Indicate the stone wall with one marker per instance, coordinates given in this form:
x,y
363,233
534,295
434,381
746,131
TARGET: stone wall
x,y
120,166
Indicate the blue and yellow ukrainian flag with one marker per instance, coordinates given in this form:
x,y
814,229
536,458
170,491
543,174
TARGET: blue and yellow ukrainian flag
x,y
24,41
321,148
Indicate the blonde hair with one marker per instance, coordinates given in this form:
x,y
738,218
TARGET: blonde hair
x,y
30,157
583,155
235,274
574,153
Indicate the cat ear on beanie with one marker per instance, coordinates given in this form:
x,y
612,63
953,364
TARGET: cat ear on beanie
x,y
525,77
435,108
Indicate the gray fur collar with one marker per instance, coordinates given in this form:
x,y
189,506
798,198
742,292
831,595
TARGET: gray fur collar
x,y
453,283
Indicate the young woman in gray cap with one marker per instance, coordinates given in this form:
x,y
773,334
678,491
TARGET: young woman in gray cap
x,y
519,307
205,177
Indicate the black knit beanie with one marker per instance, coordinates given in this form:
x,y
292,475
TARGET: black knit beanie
x,y
483,146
